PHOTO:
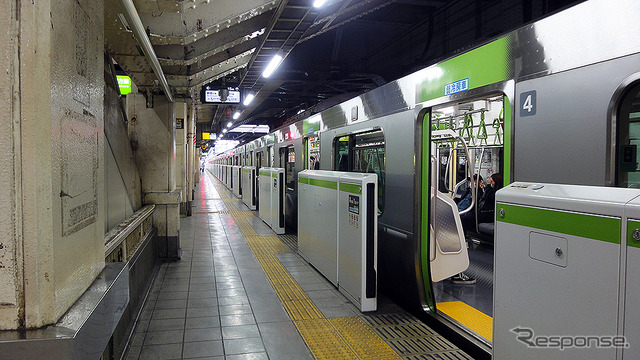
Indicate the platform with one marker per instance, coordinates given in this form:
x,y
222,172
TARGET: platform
x,y
242,292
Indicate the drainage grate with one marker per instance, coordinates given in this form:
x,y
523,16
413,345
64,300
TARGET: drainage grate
x,y
290,240
411,338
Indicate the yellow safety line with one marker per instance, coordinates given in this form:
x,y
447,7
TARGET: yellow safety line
x,y
475,320
339,338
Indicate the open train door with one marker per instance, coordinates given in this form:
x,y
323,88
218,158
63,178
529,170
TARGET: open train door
x,y
447,246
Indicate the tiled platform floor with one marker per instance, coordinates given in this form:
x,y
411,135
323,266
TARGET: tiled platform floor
x,y
217,303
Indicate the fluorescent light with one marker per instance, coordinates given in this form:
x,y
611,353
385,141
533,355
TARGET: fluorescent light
x,y
319,3
273,65
248,99
224,131
448,110
229,124
261,129
236,115
225,145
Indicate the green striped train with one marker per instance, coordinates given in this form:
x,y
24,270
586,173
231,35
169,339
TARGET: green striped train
x,y
556,101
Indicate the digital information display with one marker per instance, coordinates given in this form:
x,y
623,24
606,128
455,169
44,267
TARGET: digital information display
x,y
215,96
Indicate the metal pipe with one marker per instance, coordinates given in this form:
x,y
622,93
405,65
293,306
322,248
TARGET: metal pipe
x,y
131,14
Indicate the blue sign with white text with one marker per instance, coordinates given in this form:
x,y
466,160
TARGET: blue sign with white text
x,y
456,87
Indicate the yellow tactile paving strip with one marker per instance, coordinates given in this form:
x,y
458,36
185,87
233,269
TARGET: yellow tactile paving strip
x,y
468,316
340,338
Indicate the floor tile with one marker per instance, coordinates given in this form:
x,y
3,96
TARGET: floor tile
x,y
199,294
202,302
235,300
202,311
161,352
202,322
203,349
243,346
283,342
163,337
166,324
203,334
233,320
251,356
171,304
160,314
234,309
240,332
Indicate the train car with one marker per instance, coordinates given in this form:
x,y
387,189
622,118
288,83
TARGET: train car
x,y
556,101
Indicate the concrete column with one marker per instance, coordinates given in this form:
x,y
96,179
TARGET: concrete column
x,y
153,136
181,155
52,158
193,167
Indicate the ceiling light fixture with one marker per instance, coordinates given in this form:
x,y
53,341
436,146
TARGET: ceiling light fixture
x,y
273,65
224,131
236,115
319,3
248,99
229,124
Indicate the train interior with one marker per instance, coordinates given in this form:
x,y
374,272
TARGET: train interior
x,y
466,143
364,153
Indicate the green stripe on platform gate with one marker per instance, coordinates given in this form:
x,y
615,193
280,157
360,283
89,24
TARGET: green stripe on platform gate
x,y
274,175
324,183
352,188
303,180
583,225
265,173
631,226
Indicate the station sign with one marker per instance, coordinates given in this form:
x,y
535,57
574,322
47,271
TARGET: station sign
x,y
124,83
456,87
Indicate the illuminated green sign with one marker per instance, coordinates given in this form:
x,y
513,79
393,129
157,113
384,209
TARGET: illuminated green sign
x,y
124,82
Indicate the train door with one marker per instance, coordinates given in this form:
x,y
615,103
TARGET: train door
x,y
365,153
259,159
627,174
462,169
288,162
271,157
311,159
628,139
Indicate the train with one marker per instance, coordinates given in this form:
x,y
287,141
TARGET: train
x,y
555,101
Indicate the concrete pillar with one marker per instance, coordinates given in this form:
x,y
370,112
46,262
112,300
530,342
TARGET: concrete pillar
x,y
181,155
51,158
193,167
153,136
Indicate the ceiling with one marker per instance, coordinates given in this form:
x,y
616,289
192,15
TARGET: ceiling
x,y
332,53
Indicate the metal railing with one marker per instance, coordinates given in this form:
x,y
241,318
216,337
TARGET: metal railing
x,y
121,242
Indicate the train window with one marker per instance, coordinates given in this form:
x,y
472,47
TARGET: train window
x,y
365,153
628,171
312,158
290,168
341,151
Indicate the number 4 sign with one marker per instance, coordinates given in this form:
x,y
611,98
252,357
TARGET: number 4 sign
x,y
528,103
